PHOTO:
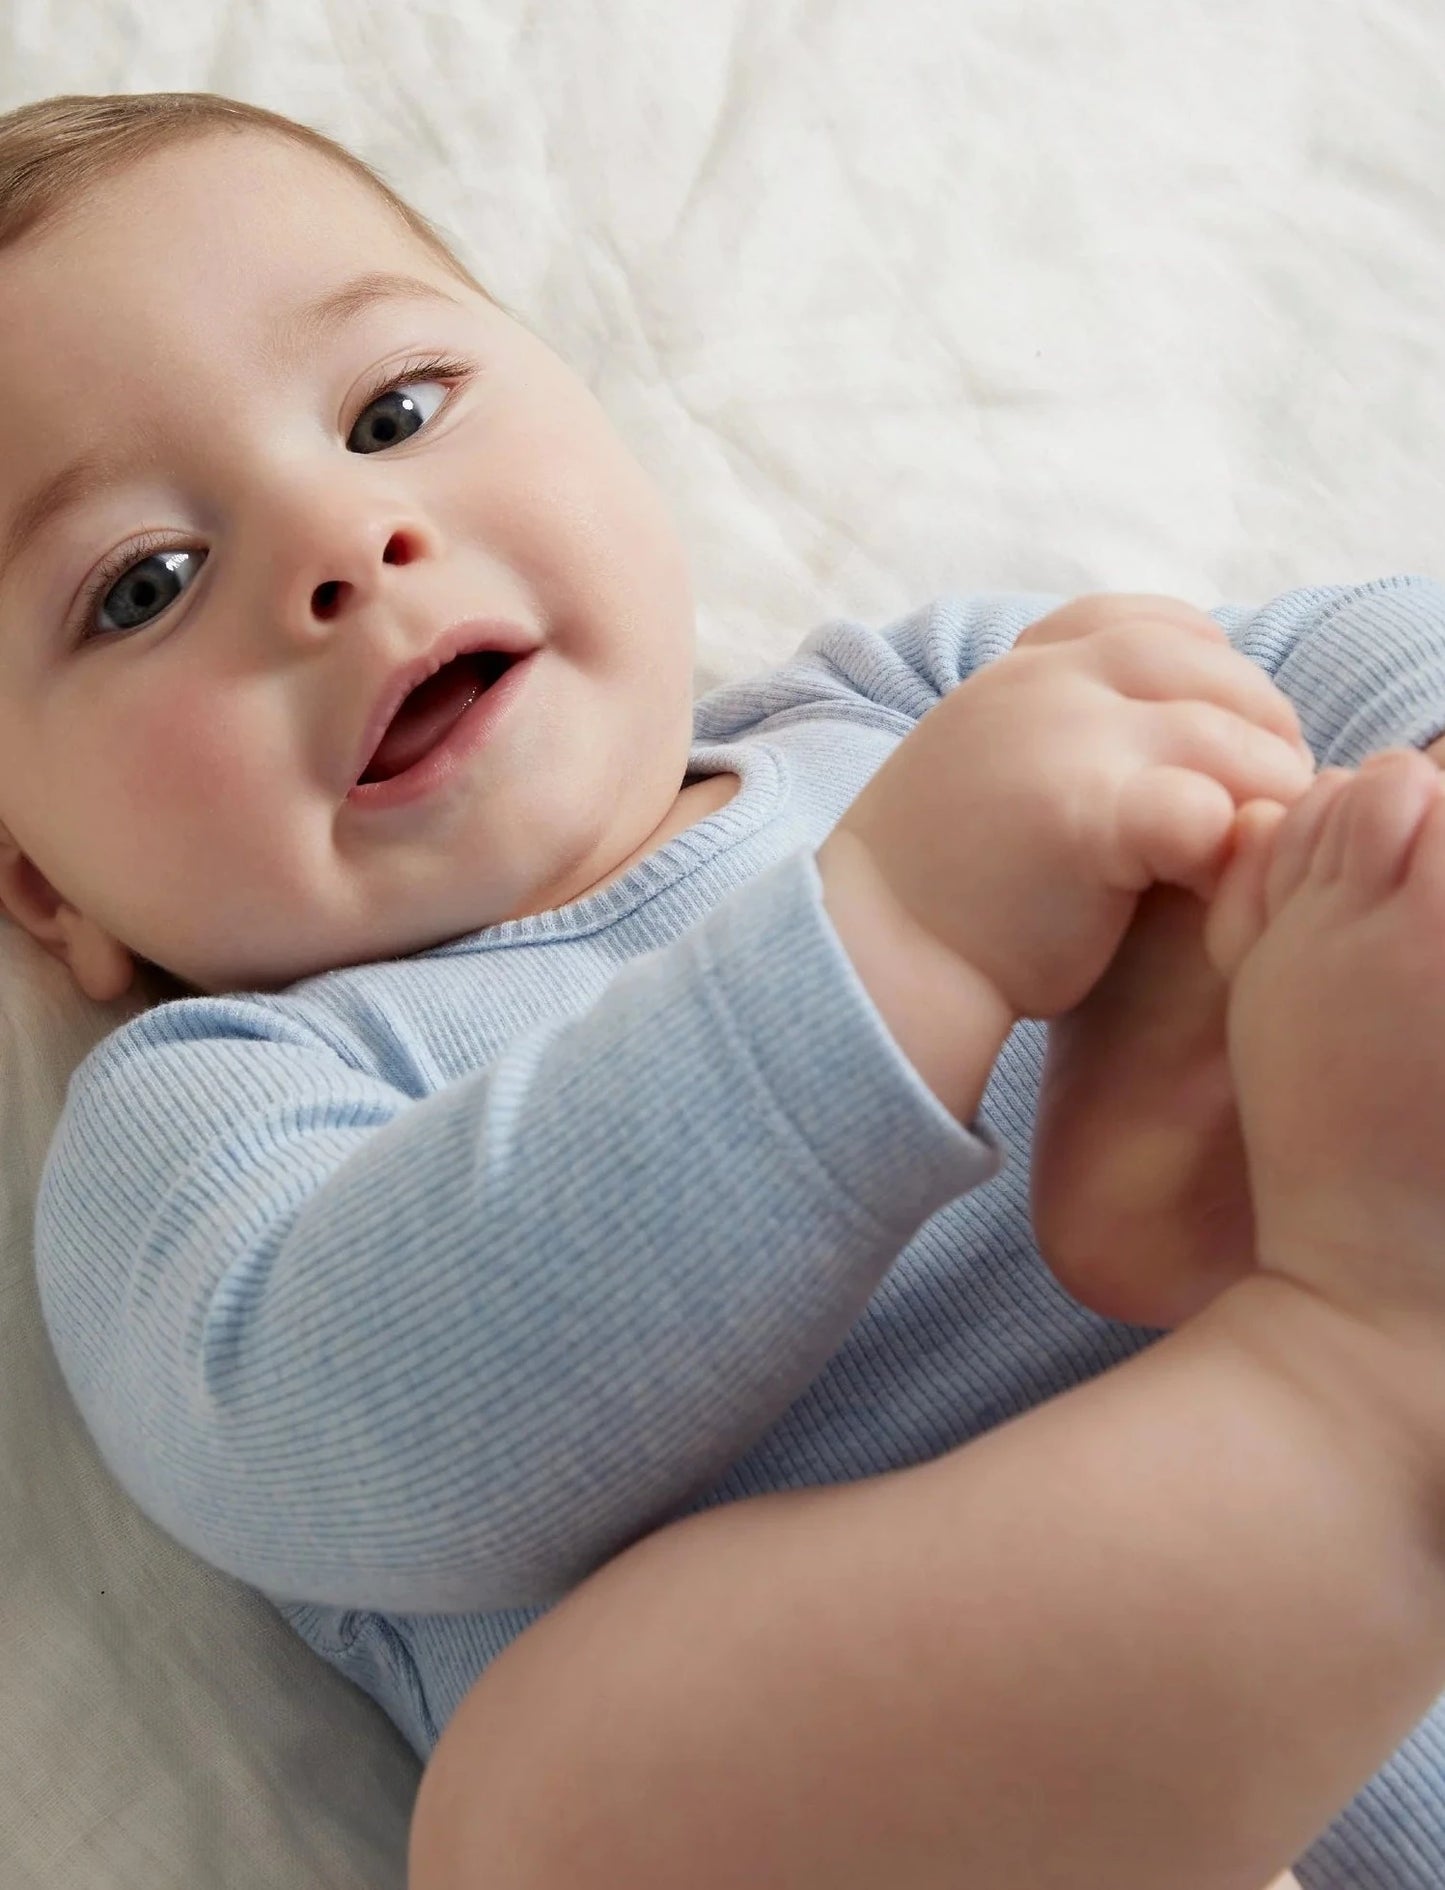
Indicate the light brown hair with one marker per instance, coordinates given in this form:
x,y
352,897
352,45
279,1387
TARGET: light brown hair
x,y
54,149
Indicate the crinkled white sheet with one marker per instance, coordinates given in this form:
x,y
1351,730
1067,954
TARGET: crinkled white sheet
x,y
893,298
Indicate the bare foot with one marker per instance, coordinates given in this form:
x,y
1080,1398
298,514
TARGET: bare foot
x,y
1140,1196
1140,1200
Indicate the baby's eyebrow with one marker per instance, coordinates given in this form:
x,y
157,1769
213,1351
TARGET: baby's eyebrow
x,y
303,326
307,324
62,492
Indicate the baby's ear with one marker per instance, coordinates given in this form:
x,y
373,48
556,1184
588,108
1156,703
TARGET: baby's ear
x,y
101,966
1238,911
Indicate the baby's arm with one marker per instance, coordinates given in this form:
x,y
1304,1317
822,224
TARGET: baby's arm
x,y
449,1352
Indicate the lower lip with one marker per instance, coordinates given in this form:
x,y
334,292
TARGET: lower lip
x,y
437,766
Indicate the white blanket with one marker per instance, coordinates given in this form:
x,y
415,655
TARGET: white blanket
x,y
894,298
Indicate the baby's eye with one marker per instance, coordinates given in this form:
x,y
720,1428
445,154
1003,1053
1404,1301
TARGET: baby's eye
x,y
396,415
150,586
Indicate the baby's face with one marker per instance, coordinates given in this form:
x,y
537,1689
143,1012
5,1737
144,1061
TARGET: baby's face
x,y
178,740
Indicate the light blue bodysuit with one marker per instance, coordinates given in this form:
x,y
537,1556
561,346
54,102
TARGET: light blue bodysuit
x,y
413,1292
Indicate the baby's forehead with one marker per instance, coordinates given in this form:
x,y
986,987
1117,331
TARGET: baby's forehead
x,y
237,197
225,237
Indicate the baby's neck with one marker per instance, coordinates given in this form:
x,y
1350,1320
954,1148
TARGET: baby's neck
x,y
699,796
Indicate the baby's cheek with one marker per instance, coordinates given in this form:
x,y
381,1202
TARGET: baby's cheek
x,y
1436,751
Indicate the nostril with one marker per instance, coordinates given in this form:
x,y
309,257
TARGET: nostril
x,y
326,597
397,550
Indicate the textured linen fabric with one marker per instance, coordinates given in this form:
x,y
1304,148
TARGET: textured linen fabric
x,y
411,1293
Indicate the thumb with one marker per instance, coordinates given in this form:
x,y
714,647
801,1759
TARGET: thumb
x,y
1238,911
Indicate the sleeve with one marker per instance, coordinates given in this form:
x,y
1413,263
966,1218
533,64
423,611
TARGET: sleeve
x,y
1364,664
903,669
451,1353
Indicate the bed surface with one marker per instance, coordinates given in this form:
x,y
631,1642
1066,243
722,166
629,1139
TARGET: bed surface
x,y
894,301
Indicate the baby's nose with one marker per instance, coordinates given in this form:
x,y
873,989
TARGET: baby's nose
x,y
331,596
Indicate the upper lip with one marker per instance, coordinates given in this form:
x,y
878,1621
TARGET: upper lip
x,y
477,633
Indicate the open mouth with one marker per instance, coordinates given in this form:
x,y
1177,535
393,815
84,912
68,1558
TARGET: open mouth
x,y
432,709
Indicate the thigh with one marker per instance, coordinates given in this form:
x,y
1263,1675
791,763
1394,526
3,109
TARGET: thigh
x,y
781,1694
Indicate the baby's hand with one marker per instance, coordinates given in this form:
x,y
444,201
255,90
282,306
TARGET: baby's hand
x,y
1021,819
1238,911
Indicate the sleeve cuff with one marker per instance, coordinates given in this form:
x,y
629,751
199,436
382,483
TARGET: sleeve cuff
x,y
1363,665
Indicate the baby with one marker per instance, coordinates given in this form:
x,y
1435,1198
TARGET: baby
x,y
551,1247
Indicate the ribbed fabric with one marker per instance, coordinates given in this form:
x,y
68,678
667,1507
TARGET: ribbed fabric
x,y
413,1292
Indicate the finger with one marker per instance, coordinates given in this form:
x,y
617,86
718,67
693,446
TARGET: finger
x,y
1108,610
1381,817
1251,762
1174,825
1298,835
1238,912
1151,665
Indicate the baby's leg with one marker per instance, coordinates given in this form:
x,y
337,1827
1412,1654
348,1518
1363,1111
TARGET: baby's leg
x,y
452,1847
1070,1655
1140,1201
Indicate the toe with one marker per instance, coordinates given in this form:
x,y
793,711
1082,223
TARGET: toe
x,y
1380,819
